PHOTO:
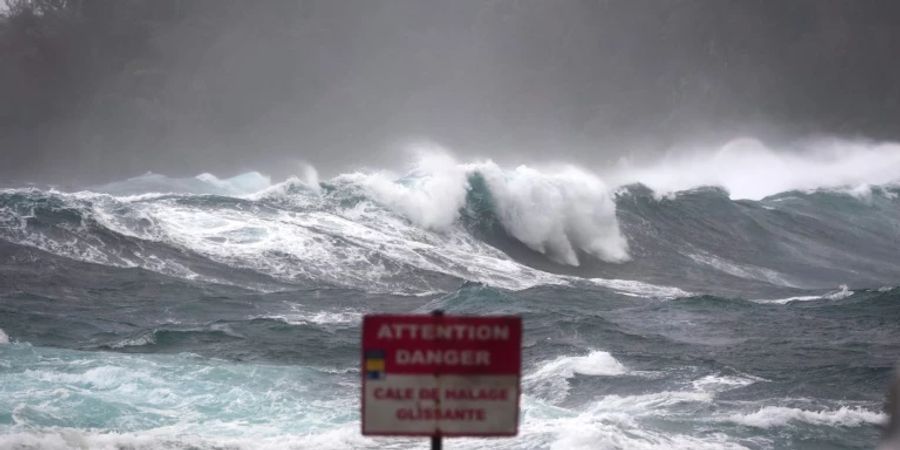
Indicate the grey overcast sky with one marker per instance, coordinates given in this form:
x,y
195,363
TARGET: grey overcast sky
x,y
180,88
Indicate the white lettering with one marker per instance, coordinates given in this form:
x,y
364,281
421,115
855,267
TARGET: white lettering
x,y
431,332
443,357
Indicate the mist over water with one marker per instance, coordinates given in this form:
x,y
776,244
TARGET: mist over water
x,y
748,169
694,206
95,92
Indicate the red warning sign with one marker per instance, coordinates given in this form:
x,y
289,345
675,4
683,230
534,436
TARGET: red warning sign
x,y
427,375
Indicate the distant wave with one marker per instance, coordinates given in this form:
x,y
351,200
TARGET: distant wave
x,y
203,183
749,169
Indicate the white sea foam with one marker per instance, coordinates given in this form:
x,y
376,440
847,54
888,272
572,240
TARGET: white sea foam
x,y
777,416
431,195
4,338
609,425
656,403
636,288
720,383
347,317
841,293
594,363
106,377
78,241
550,379
166,400
626,408
257,437
360,247
569,433
617,422
180,401
557,212
786,300
136,341
586,435
363,246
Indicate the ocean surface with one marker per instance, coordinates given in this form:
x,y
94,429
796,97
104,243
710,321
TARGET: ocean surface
x,y
213,313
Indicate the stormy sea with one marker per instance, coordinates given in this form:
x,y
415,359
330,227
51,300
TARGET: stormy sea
x,y
213,313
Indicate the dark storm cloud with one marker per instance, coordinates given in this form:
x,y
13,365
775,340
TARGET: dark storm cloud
x,y
99,90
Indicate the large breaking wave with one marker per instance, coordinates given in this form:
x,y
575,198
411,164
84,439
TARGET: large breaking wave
x,y
444,222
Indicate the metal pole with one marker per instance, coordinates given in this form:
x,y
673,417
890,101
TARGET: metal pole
x,y
436,440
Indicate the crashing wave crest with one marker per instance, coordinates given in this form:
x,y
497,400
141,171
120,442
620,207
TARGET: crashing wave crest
x,y
557,213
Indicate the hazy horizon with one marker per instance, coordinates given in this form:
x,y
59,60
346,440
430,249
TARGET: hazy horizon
x,y
224,87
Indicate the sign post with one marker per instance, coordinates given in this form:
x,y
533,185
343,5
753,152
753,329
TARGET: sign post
x,y
438,375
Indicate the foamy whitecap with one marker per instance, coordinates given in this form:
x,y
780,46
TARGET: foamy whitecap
x,y
557,212
841,293
4,338
347,317
594,363
656,403
136,341
431,195
636,288
720,383
776,416
550,379
786,300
